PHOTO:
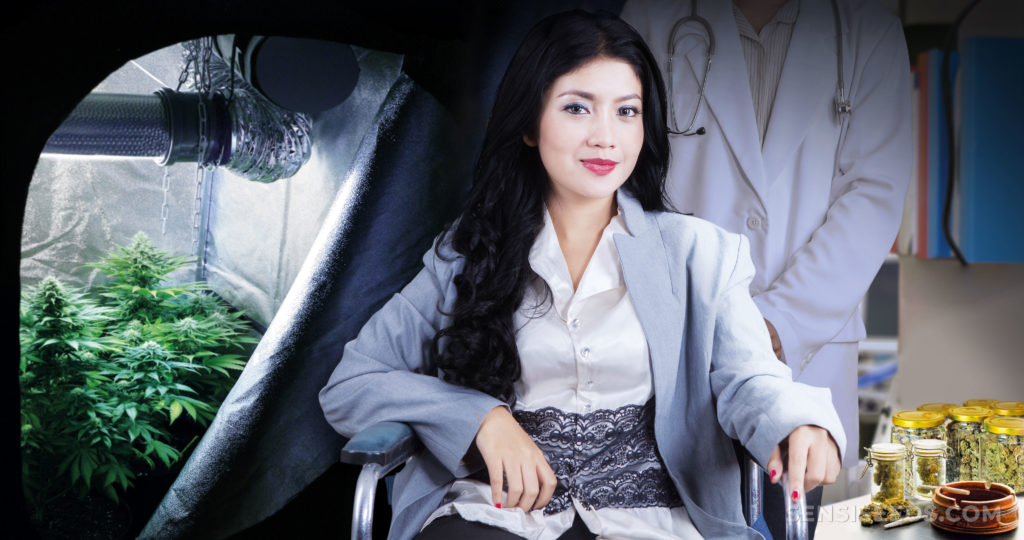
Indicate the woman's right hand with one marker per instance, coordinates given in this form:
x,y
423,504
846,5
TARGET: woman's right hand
x,y
511,455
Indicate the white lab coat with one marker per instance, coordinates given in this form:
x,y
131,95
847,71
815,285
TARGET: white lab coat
x,y
820,203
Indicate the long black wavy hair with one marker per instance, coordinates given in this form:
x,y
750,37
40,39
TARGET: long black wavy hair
x,y
504,210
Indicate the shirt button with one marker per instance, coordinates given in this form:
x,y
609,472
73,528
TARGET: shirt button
x,y
585,352
590,383
575,323
587,408
753,222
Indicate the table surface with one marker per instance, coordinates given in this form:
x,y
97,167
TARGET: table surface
x,y
838,521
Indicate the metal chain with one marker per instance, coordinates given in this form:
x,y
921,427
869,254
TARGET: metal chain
x,y
189,60
165,184
206,47
202,84
197,203
165,209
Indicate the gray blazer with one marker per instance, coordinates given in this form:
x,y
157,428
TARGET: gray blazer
x,y
715,375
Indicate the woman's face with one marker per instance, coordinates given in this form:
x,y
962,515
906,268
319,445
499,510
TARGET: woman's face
x,y
591,131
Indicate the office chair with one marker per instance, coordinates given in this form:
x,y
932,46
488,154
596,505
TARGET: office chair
x,y
381,448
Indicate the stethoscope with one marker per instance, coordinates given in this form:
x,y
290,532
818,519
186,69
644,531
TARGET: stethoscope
x,y
842,105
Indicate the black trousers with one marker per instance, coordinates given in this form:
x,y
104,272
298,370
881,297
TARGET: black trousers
x,y
774,509
449,527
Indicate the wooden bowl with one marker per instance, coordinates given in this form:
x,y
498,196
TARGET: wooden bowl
x,y
984,511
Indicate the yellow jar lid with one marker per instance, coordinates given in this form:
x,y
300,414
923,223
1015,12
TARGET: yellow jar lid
x,y
937,407
1005,425
970,414
888,450
979,402
1008,408
918,419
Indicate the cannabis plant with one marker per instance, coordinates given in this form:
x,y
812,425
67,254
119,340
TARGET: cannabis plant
x,y
192,324
101,385
61,350
137,274
146,396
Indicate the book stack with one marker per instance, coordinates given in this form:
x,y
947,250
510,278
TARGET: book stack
x,y
987,206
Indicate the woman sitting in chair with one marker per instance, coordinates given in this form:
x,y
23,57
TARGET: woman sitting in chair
x,y
575,357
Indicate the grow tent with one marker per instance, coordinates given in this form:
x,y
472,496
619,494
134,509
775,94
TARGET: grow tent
x,y
252,240
308,257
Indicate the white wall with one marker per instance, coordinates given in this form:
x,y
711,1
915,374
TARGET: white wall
x,y
961,332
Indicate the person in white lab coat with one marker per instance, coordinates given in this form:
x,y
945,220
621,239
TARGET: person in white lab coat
x,y
819,194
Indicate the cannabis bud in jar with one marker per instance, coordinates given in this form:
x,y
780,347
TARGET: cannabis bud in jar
x,y
929,467
964,435
888,464
910,426
1003,452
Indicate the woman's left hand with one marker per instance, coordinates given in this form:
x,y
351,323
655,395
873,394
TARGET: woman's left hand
x,y
813,459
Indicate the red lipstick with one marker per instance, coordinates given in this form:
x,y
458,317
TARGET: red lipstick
x,y
600,166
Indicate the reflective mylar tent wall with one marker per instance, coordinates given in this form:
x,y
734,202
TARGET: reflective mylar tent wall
x,y
253,236
78,207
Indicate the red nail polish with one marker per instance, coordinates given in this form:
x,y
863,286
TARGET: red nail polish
x,y
773,474
795,495
498,505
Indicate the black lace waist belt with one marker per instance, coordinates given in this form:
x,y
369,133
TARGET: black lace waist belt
x,y
604,459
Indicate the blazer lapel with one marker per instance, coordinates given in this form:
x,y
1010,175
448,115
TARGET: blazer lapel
x,y
807,85
656,300
727,92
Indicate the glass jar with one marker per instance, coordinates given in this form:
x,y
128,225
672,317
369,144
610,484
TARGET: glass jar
x,y
927,468
909,426
888,477
964,436
1003,452
1008,408
979,402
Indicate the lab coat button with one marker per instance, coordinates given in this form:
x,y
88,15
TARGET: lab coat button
x,y
585,352
575,323
753,222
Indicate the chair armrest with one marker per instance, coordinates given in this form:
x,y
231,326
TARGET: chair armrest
x,y
379,449
752,488
753,499
387,444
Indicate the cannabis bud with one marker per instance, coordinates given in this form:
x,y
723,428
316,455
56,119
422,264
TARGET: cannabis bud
x,y
886,512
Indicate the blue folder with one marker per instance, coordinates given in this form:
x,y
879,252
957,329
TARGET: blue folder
x,y
991,150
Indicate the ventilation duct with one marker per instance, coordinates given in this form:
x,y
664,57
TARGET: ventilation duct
x,y
298,74
242,131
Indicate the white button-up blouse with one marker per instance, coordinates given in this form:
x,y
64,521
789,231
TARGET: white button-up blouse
x,y
584,359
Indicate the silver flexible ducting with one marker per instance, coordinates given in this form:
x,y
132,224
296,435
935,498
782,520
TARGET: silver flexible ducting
x,y
246,133
267,142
